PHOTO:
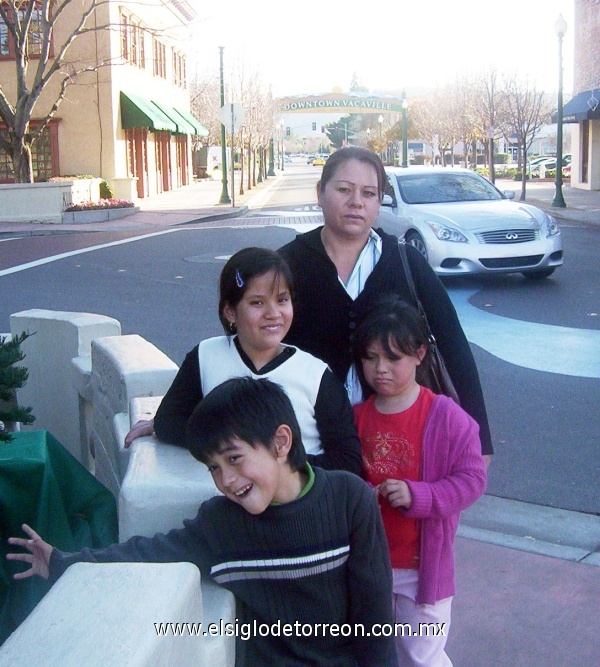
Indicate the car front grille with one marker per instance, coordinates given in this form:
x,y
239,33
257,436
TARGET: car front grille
x,y
509,236
511,262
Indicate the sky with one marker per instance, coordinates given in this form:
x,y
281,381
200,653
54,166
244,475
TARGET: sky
x,y
313,46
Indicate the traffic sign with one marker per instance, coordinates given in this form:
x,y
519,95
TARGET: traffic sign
x,y
232,116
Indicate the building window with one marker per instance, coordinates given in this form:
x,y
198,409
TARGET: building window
x,y
132,41
4,44
179,75
160,58
35,36
44,156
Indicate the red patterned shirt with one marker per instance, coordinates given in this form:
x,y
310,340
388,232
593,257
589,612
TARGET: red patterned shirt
x,y
391,446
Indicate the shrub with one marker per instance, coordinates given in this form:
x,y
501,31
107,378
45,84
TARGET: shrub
x,y
106,192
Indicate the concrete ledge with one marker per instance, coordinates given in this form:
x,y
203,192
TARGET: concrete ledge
x,y
97,215
163,486
105,615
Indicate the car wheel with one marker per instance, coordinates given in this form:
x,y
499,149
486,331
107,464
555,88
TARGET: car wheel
x,y
538,275
416,240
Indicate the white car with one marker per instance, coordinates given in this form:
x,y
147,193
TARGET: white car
x,y
462,224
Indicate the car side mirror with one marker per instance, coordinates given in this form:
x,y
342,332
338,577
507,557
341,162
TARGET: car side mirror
x,y
387,201
509,194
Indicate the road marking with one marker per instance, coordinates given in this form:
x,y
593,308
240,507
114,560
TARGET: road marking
x,y
540,347
72,253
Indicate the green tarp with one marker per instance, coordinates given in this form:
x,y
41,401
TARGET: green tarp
x,y
43,485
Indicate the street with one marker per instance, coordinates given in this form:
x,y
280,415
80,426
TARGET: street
x,y
545,424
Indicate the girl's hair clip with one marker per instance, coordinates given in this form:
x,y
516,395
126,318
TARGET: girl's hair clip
x,y
239,281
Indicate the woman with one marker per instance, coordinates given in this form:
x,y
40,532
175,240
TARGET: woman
x,y
340,267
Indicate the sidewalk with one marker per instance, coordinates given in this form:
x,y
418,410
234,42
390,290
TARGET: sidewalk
x,y
198,202
528,577
582,205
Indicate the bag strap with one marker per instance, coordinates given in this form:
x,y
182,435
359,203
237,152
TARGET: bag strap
x,y
408,273
413,290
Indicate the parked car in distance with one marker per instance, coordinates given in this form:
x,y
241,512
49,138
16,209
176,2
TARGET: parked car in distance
x,y
318,161
547,163
463,224
310,158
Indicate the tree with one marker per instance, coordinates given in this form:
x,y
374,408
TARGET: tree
x,y
527,109
487,111
31,26
339,132
11,378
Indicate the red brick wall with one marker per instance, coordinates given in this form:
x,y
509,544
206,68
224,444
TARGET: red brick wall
x,y
587,46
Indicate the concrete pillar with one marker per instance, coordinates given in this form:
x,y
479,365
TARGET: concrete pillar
x,y
123,368
59,337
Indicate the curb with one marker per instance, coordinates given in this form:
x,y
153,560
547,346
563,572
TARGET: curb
x,y
547,531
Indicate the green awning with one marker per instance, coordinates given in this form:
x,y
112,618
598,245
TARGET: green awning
x,y
199,129
137,111
183,127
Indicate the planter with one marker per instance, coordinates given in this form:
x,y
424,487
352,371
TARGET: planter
x,y
99,215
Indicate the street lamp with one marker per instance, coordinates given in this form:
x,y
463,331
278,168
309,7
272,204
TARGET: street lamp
x,y
404,130
224,194
368,136
560,28
380,121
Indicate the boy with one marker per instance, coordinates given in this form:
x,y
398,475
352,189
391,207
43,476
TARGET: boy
x,y
301,548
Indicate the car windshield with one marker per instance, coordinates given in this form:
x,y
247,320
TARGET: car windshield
x,y
436,188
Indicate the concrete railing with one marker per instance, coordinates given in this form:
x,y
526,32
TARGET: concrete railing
x,y
87,384
45,202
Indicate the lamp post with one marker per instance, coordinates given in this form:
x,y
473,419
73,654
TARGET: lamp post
x,y
380,121
560,28
404,130
224,194
271,171
282,123
368,136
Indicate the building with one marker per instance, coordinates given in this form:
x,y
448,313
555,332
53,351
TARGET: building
x,y
127,120
583,110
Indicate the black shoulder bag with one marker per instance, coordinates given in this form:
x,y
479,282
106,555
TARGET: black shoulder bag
x,y
434,375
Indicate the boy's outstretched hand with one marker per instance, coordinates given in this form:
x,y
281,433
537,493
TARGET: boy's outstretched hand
x,y
39,554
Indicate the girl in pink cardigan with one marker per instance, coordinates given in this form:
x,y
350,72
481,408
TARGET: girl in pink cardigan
x,y
423,455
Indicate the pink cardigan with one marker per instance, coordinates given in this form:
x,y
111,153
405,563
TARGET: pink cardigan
x,y
454,477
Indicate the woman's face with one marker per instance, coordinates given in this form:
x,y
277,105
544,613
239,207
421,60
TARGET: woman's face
x,y
350,200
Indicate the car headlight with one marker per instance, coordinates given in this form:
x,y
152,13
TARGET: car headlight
x,y
552,225
447,233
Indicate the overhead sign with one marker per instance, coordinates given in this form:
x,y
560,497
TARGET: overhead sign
x,y
232,116
341,102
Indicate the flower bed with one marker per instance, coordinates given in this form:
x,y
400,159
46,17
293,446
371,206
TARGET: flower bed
x,y
100,205
100,211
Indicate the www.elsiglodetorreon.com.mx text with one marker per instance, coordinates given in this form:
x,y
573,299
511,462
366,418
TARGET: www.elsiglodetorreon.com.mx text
x,y
247,631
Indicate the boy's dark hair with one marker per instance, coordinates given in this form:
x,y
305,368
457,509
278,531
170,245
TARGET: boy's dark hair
x,y
241,268
354,153
246,409
390,320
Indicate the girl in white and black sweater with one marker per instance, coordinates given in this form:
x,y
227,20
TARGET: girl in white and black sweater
x,y
255,309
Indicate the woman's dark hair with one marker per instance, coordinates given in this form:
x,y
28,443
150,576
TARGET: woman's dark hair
x,y
390,321
244,409
241,268
354,153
